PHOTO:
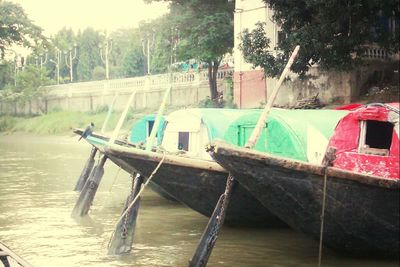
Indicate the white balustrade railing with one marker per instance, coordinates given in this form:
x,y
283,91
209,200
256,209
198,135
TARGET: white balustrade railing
x,y
144,82
376,52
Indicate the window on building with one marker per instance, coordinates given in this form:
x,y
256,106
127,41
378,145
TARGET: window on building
x,y
281,37
183,141
375,137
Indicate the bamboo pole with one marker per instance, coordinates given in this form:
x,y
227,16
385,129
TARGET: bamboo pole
x,y
122,118
263,118
210,234
123,243
110,109
151,140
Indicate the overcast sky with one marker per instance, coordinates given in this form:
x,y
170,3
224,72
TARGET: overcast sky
x,y
53,15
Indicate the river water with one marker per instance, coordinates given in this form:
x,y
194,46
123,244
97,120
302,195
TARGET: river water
x,y
37,175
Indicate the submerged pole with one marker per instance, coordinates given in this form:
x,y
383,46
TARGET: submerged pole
x,y
86,171
210,234
89,190
121,241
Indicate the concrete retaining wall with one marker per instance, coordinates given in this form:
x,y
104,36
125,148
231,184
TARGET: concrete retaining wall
x,y
187,89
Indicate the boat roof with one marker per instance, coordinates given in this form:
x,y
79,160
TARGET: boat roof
x,y
367,140
288,131
217,120
139,130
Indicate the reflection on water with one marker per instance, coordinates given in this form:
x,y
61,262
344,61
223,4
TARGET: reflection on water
x,y
37,175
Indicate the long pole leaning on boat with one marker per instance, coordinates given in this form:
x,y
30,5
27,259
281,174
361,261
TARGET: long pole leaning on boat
x,y
210,234
89,190
122,238
88,169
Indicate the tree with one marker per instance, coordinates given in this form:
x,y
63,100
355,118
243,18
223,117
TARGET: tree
x,y
6,73
331,33
89,53
205,33
29,82
126,54
16,28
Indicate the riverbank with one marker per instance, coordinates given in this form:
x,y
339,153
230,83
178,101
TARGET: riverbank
x,y
62,122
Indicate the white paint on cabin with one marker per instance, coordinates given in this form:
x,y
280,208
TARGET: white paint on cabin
x,y
186,121
316,145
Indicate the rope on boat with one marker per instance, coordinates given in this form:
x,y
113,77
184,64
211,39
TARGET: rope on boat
x,y
329,157
321,233
140,192
394,109
115,179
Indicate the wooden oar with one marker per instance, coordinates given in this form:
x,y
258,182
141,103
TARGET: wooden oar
x,y
86,171
210,234
122,239
89,190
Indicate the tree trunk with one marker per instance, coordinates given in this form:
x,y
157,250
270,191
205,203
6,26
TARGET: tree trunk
x,y
212,79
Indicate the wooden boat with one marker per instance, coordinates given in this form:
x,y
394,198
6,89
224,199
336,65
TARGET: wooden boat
x,y
197,183
188,173
139,133
362,194
9,258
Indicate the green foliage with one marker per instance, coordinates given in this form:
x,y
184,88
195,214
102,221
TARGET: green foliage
x,y
89,54
7,123
99,73
256,49
133,63
6,73
332,34
16,28
29,82
205,29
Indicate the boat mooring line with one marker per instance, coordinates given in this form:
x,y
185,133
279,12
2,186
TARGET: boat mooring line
x,y
141,190
115,179
321,233
329,157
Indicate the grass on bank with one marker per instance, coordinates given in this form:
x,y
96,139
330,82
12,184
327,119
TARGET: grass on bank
x,y
62,122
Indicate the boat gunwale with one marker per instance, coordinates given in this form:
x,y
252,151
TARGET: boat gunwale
x,y
133,152
218,146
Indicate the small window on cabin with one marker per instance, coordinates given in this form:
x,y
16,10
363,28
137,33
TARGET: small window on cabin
x,y
150,125
376,137
183,141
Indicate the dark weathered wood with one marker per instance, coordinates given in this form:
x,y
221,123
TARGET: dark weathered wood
x,y
86,171
361,213
123,236
252,141
88,192
210,234
197,188
6,252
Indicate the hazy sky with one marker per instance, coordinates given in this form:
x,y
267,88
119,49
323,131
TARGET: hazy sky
x,y
53,15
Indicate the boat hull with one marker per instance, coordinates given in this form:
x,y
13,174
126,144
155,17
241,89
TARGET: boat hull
x,y
197,188
361,212
99,141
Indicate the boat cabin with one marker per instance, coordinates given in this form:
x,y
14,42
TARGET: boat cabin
x,y
367,140
190,130
141,130
290,133
296,134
